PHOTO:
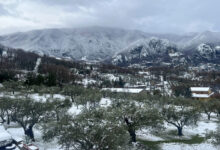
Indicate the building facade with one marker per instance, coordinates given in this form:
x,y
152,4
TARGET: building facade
x,y
201,93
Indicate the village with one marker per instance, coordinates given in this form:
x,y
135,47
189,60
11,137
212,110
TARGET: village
x,y
63,88
157,82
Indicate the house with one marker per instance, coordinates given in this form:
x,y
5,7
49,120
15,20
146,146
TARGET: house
x,y
201,93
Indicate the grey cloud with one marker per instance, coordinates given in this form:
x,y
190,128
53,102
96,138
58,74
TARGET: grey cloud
x,y
3,11
175,16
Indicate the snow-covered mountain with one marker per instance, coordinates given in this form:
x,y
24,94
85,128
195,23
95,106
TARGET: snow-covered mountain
x,y
207,53
87,43
155,51
149,51
204,37
103,43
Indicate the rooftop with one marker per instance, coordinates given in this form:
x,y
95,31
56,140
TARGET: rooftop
x,y
200,89
201,95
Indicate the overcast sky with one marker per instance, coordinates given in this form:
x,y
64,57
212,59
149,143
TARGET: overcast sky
x,y
157,16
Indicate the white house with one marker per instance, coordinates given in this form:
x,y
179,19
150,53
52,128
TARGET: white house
x,y
202,93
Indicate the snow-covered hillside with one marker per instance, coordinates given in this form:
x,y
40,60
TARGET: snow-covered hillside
x,y
152,50
204,37
156,51
103,43
91,43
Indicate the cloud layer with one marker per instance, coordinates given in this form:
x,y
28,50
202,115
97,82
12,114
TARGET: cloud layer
x,y
157,16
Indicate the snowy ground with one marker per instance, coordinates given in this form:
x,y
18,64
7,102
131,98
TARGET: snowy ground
x,y
34,96
17,132
123,90
178,146
204,127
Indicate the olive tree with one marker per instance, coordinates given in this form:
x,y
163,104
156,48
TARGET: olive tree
x,y
180,115
59,107
27,113
215,136
83,96
91,130
73,91
136,116
208,107
5,110
12,86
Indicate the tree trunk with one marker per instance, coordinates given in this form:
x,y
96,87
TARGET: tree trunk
x,y
131,130
180,131
8,118
29,132
51,95
72,98
94,104
132,134
3,119
209,116
58,117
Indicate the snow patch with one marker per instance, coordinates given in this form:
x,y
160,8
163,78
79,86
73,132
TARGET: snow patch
x,y
178,146
123,90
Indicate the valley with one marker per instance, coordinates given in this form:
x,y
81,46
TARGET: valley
x,y
47,100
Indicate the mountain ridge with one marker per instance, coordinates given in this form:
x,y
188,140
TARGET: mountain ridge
x,y
97,43
80,41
